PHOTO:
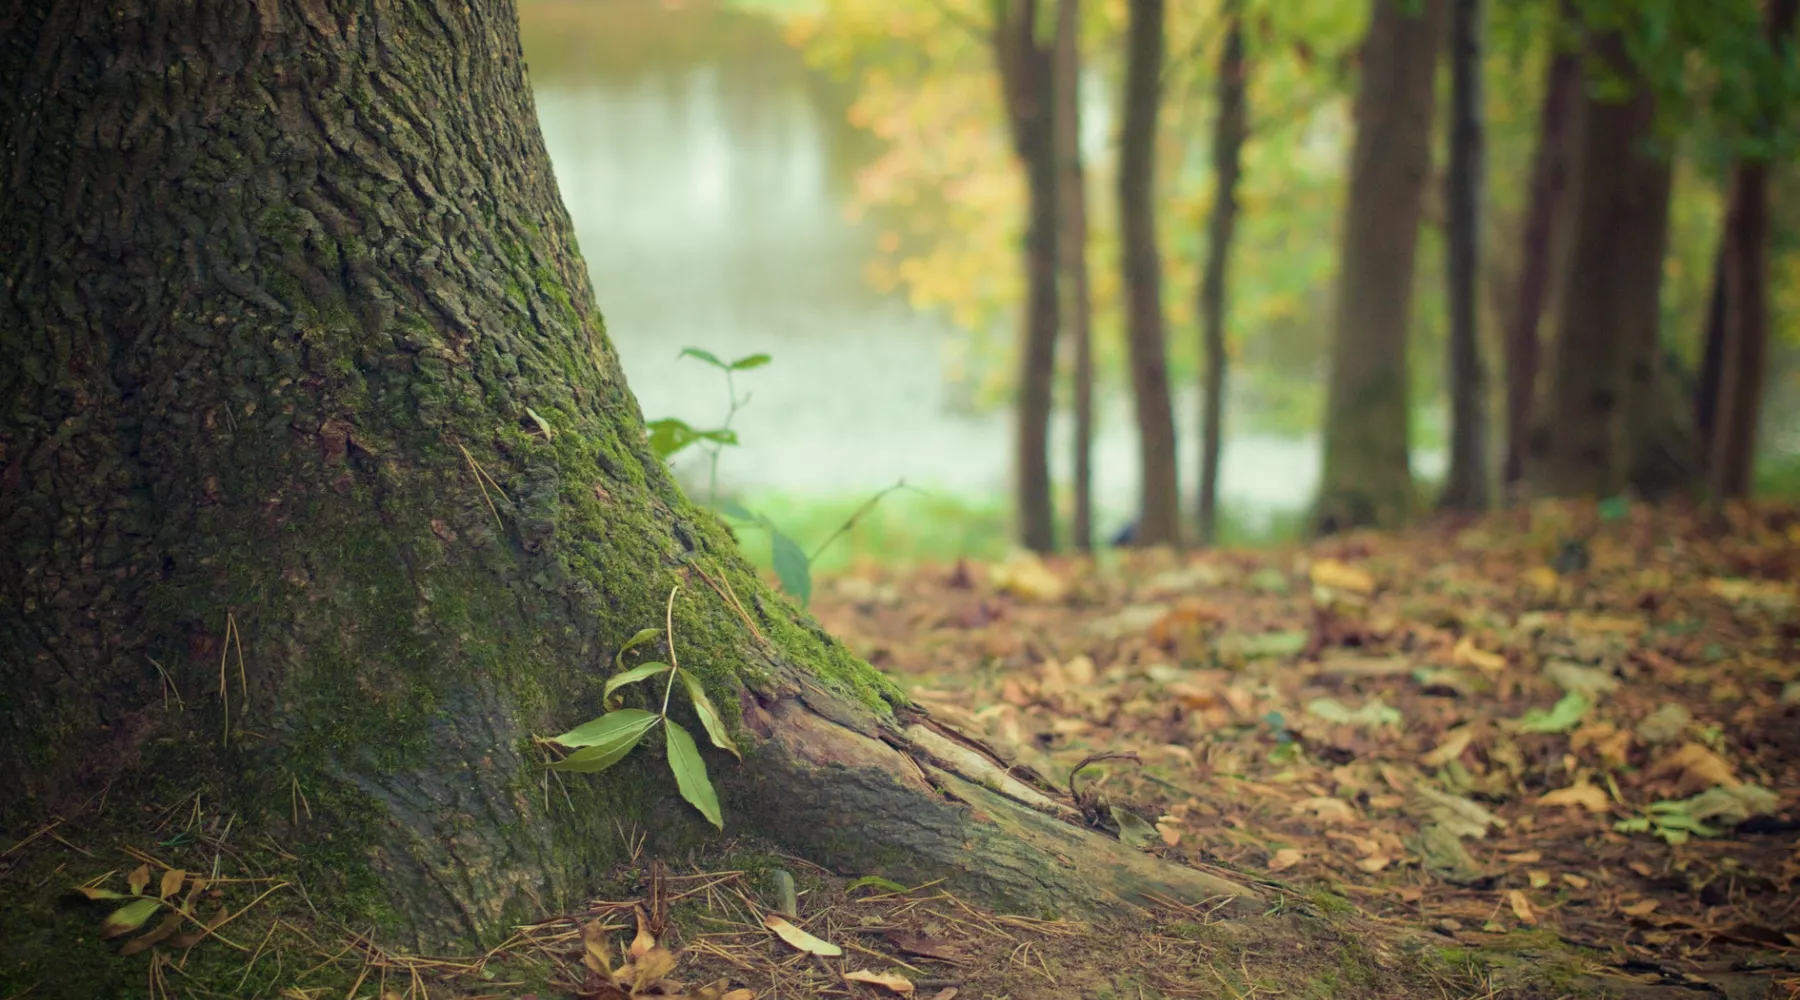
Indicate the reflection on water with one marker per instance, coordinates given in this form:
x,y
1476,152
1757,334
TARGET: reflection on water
x,y
706,169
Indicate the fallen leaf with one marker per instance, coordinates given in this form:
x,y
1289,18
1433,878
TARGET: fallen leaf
x,y
1171,834
1521,907
129,917
1523,857
1326,808
1695,767
800,939
1466,654
644,941
1451,747
1026,576
1538,878
1335,575
1285,858
886,980
1133,829
1374,863
649,968
1454,813
1666,724
1575,881
1587,796
1372,714
138,879
1641,908
171,882
594,953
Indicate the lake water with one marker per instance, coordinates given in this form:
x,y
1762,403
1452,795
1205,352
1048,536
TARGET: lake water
x,y
707,170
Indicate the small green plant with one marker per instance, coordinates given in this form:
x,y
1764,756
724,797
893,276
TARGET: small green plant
x,y
603,742
670,435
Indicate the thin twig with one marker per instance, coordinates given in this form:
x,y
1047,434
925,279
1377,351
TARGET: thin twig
x,y
669,622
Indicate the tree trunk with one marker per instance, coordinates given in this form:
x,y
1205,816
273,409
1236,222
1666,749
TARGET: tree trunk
x,y
1712,353
1467,485
1549,173
1582,441
1159,520
283,310
1367,476
1731,453
1027,82
1072,230
1228,147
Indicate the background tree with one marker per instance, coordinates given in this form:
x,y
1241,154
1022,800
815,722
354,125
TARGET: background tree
x,y
1023,51
309,414
1228,149
1466,487
1159,518
1546,195
1743,279
1367,476
1072,230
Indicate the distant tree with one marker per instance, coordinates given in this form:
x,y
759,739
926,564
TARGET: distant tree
x,y
1367,478
1159,520
1466,487
1072,231
1545,201
1026,61
1229,132
1742,293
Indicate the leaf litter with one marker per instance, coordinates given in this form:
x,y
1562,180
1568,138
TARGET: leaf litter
x,y
1404,717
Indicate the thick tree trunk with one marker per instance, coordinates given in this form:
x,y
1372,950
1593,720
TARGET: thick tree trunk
x,y
1228,148
1583,442
1367,476
1467,485
1731,451
1027,82
1159,520
1077,309
288,290
1549,173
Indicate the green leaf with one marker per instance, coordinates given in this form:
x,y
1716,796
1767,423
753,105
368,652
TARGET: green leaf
x,y
723,435
1134,829
129,917
884,884
749,361
706,356
791,566
1564,716
669,435
632,676
643,636
600,756
690,774
605,729
709,714
543,425
736,511
1614,508
95,892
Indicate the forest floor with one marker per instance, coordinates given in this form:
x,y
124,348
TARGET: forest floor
x,y
1547,753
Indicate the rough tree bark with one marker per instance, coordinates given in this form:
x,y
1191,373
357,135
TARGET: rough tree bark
x,y
1077,311
1466,487
1583,442
1027,70
288,288
1549,174
1744,346
1159,520
1229,132
1367,475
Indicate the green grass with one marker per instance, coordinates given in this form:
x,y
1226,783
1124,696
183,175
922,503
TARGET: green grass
x,y
1778,476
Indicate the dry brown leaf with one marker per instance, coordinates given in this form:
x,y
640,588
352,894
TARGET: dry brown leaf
x,y
1327,809
138,879
1589,797
1374,863
1335,575
644,941
1285,858
1451,747
1575,881
1523,857
1640,908
650,968
171,882
740,994
1466,654
947,993
595,954
1695,767
886,980
1171,834
801,939
1538,878
1521,907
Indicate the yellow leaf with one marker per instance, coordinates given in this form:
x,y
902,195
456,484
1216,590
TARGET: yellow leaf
x,y
886,980
1026,576
1521,907
171,882
1589,797
1285,858
1575,881
1641,908
799,938
1335,575
1523,857
595,954
1698,765
1454,743
649,969
138,879
1539,878
1542,578
1327,808
1465,654
1171,834
641,945
1374,863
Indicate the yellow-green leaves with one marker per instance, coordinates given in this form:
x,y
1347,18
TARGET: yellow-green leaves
x,y
690,774
709,714
605,741
632,676
129,917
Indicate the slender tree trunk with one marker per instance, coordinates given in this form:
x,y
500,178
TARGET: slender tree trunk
x,y
1467,485
1743,354
1228,147
1072,230
1159,521
1582,443
1549,174
319,477
1712,353
1367,476
1027,81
